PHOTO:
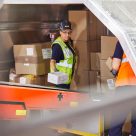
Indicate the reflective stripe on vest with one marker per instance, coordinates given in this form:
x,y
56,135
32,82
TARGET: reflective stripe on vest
x,y
64,64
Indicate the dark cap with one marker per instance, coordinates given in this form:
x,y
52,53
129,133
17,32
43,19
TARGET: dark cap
x,y
65,24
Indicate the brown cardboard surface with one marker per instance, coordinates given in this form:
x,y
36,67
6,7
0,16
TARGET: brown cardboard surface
x,y
104,70
28,79
32,58
81,80
83,59
28,68
95,60
108,44
109,63
79,20
33,50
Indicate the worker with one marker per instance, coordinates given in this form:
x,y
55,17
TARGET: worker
x,y
63,55
125,79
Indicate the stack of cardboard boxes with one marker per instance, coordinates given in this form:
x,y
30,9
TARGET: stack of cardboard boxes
x,y
87,30
31,63
80,37
108,44
104,78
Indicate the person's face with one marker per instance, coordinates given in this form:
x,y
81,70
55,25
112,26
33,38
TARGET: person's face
x,y
65,34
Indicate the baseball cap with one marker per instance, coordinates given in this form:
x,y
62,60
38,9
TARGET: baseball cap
x,y
65,24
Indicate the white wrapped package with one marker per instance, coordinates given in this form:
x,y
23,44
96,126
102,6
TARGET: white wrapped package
x,y
57,77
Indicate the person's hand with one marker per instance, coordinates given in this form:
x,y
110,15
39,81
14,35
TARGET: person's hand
x,y
114,72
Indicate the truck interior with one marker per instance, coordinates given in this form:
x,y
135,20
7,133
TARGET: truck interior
x,y
27,21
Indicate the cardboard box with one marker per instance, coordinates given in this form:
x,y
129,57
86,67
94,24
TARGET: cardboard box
x,y
26,79
82,80
47,83
57,77
104,70
108,44
82,49
32,58
109,63
95,61
79,20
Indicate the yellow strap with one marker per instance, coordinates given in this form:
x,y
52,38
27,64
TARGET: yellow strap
x,y
101,124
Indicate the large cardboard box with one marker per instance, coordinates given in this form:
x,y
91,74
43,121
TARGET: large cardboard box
x,y
82,49
95,60
108,44
79,20
104,70
32,58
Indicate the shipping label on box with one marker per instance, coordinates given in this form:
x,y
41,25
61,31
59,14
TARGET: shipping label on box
x,y
46,53
29,51
57,77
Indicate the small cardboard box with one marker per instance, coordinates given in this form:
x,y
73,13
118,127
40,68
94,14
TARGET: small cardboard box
x,y
57,77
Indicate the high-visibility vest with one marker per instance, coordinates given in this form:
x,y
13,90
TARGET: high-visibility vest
x,y
126,75
66,65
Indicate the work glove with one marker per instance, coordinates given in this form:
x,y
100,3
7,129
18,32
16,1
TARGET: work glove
x,y
114,72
